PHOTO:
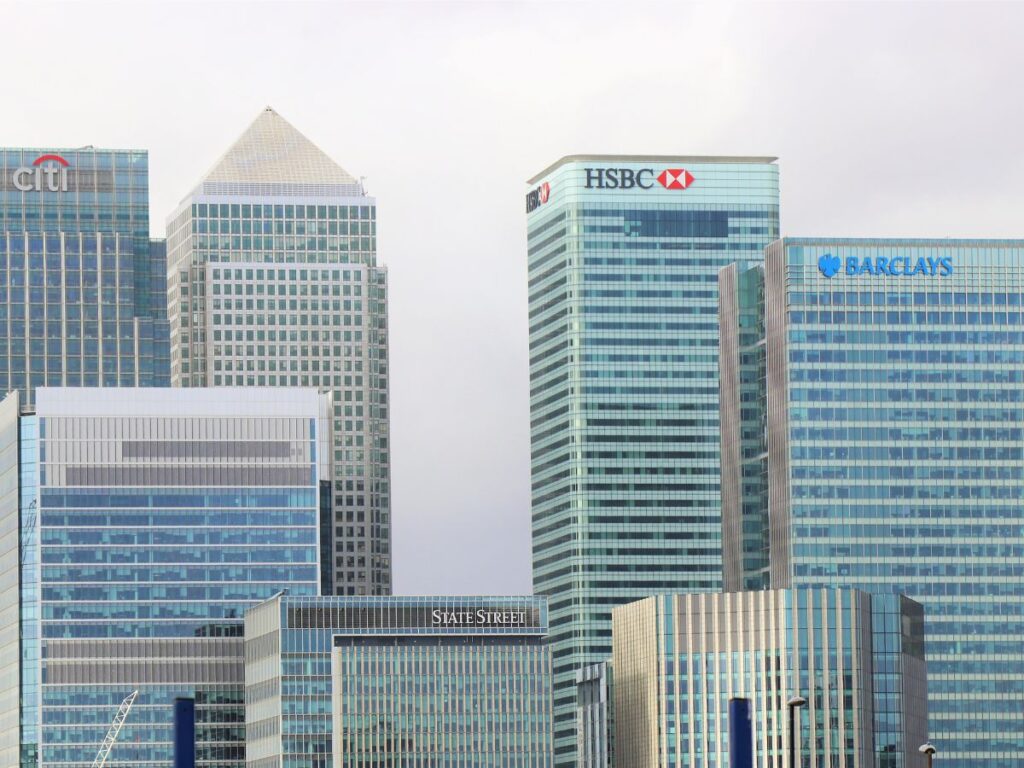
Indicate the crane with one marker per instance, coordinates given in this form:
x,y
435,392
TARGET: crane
x,y
115,728
31,515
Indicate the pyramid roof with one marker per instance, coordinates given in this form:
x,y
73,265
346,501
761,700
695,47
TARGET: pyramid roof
x,y
272,156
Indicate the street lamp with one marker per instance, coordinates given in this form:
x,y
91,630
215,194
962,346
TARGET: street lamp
x,y
792,704
928,750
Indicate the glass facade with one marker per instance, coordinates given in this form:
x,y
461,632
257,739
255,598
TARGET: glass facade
x,y
10,580
403,681
623,257
855,658
82,287
274,281
145,536
20,656
891,422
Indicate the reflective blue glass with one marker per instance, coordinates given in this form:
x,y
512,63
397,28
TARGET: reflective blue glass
x,y
623,255
56,205
890,386
142,548
375,680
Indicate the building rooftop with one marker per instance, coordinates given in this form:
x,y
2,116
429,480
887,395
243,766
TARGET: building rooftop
x,y
200,402
948,242
272,154
754,160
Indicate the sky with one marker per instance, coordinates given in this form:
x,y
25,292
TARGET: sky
x,y
888,120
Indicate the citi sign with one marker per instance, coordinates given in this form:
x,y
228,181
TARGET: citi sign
x,y
895,266
47,172
644,178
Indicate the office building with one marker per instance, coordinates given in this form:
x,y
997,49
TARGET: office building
x,y
82,288
873,438
396,682
623,255
594,716
856,659
274,281
139,524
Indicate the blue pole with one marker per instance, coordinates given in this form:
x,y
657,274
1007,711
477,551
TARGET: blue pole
x,y
741,735
184,733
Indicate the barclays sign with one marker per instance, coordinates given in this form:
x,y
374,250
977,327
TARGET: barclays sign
x,y
895,266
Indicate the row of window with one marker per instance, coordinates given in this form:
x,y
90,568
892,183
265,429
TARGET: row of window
x,y
282,227
256,211
960,296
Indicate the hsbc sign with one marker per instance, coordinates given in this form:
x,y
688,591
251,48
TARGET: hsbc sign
x,y
538,197
643,178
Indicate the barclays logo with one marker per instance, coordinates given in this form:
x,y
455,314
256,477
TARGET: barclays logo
x,y
829,265
897,266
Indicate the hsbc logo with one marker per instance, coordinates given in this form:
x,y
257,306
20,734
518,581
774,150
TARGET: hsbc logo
x,y
47,172
644,178
538,197
675,178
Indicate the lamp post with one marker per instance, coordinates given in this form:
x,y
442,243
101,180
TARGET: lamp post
x,y
791,705
928,751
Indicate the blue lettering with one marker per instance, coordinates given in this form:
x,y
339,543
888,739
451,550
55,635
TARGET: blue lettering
x,y
897,266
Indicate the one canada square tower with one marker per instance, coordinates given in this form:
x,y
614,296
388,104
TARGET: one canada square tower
x,y
273,281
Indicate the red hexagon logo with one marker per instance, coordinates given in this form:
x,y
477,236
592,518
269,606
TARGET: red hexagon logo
x,y
675,178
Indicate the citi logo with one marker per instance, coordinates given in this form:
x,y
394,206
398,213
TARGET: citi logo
x,y
538,197
644,178
48,172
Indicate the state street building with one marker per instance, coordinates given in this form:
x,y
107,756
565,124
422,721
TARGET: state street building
x,y
873,437
623,259
398,682
273,281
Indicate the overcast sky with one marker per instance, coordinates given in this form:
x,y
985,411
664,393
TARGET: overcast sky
x,y
887,119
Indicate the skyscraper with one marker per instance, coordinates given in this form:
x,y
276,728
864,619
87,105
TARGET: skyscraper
x,y
623,256
872,437
139,524
82,289
273,281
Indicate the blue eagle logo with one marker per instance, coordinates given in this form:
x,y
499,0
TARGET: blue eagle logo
x,y
829,265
